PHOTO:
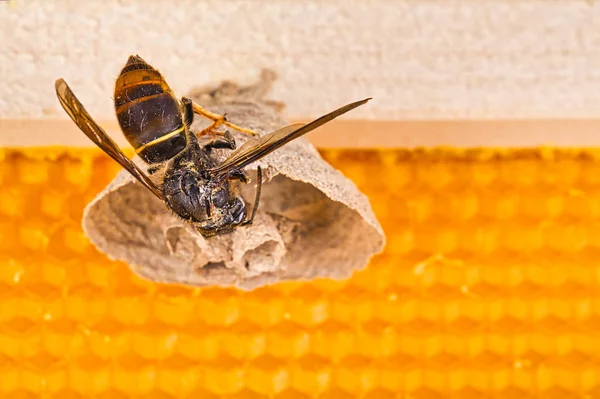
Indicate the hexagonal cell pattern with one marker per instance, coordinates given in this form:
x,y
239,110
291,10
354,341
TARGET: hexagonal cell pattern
x,y
489,287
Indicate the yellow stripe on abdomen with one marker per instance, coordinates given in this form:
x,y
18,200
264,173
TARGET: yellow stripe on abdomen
x,y
160,139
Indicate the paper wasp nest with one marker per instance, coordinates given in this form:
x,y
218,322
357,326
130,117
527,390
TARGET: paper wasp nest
x,y
312,221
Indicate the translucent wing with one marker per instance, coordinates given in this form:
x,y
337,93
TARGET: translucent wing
x,y
250,145
255,149
84,121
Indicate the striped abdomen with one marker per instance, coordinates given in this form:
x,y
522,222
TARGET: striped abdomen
x,y
149,114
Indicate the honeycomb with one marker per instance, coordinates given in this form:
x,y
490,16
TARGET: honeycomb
x,y
489,287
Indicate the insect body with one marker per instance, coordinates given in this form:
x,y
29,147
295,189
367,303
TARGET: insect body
x,y
157,125
148,112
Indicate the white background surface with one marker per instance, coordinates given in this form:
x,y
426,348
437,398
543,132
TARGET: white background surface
x,y
418,59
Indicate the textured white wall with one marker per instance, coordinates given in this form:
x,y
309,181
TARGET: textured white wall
x,y
418,59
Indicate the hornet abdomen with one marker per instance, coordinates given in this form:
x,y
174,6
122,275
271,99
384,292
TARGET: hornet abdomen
x,y
150,116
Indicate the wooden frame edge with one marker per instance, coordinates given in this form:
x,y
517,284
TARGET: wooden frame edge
x,y
356,134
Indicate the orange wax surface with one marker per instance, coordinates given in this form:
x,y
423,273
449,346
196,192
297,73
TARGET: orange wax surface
x,y
489,287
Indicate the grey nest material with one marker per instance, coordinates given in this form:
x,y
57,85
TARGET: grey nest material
x,y
312,221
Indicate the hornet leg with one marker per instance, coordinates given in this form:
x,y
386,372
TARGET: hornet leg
x,y
188,111
239,175
257,200
221,140
218,120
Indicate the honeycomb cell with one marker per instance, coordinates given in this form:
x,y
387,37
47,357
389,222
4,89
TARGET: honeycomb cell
x,y
87,304
289,340
32,235
217,308
308,306
392,309
11,272
401,241
226,376
133,375
63,338
132,310
200,342
73,240
107,339
245,340
355,375
31,171
529,172
166,307
434,174
482,174
253,310
77,171
333,340
90,376
268,376
11,202
96,273
311,375
376,339
530,238
159,341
